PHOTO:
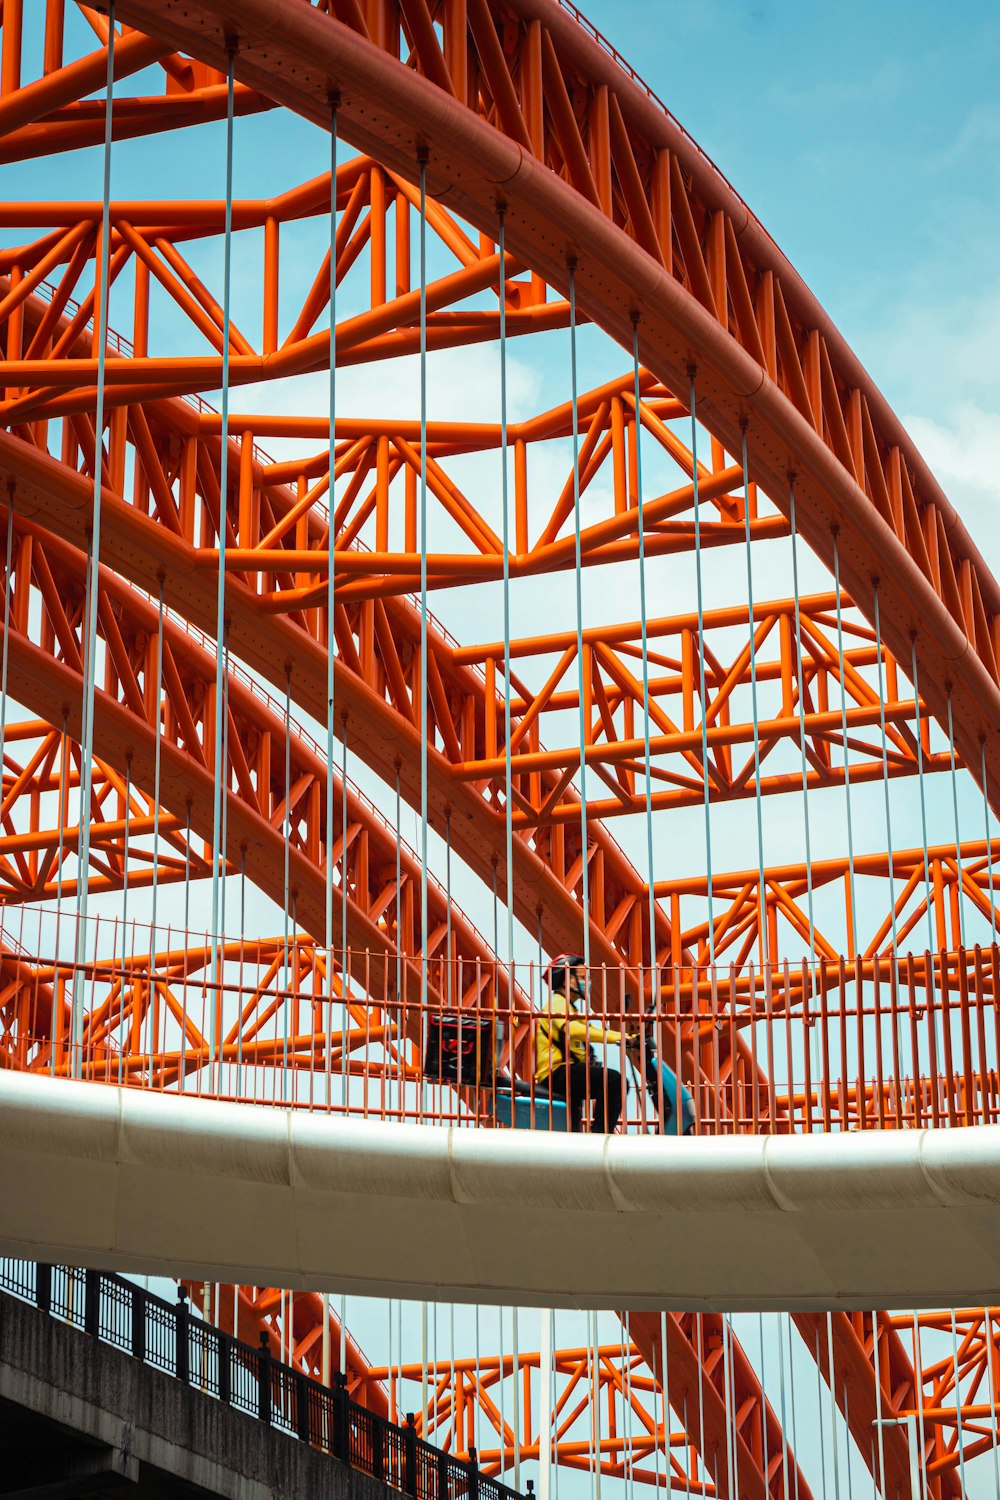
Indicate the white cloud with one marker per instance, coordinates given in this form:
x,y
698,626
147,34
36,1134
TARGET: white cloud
x,y
962,448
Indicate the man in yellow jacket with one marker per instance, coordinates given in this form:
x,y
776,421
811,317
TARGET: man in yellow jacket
x,y
564,1060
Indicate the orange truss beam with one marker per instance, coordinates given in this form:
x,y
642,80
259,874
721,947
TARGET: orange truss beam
x,y
46,675
716,294
944,877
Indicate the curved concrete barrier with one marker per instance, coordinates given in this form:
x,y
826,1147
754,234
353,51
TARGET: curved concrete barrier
x,y
181,1186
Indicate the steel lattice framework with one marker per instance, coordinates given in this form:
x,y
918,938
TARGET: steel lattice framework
x,y
615,219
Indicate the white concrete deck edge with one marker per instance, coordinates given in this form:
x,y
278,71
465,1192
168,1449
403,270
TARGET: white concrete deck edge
x,y
181,1186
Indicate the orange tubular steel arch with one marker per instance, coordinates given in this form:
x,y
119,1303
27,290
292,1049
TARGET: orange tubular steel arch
x,y
650,226
689,246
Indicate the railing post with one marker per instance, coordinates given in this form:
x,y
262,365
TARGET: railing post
x,y
181,1317
43,1286
224,1355
341,1418
473,1474
302,1406
410,1455
443,1492
380,1435
138,1323
264,1381
92,1302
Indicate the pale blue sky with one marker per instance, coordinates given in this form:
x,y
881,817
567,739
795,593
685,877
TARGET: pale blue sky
x,y
866,137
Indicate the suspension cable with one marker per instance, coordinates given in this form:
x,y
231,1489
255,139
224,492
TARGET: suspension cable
x,y
643,626
753,700
505,537
286,881
885,761
960,902
6,637
157,760
125,869
64,755
424,714
702,688
93,569
330,607
802,721
959,1436
853,931
578,569
923,797
879,1425
219,792
986,835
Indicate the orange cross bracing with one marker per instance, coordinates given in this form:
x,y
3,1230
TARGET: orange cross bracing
x,y
591,166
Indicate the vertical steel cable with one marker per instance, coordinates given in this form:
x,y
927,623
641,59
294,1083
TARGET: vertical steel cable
x,y
627,1398
802,721
819,1414
94,561
331,546
958,1400
157,694
449,984
763,1392
597,1405
898,1020
753,700
218,853
516,1358
182,1068
423,1368
791,1386
728,1406
784,1422
958,840
687,1455
63,803
424,725
988,1338
879,1425
6,644
701,1388
918,1367
345,978
125,865
239,998
833,1404
400,1013
847,1444
665,1392
843,728
505,537
286,881
647,756
938,1020
692,403
986,835
923,797
578,567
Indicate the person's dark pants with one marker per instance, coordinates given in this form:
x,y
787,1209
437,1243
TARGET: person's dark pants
x,y
588,1079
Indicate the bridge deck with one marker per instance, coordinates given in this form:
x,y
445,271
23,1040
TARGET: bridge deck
x,y
187,1187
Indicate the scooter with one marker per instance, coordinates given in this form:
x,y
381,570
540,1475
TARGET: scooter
x,y
664,1087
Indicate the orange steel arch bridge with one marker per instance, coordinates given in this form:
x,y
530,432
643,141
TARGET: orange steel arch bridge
x,y
508,331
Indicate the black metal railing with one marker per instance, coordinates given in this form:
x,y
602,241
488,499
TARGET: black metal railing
x,y
167,1337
